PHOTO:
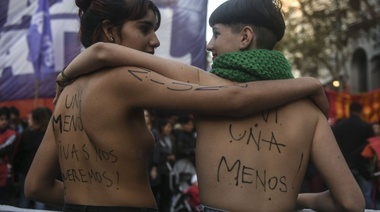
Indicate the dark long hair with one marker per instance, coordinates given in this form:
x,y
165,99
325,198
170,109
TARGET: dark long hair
x,y
92,13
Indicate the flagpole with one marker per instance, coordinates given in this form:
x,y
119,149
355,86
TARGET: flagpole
x,y
40,44
36,92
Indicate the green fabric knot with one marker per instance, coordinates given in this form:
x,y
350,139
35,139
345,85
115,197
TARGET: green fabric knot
x,y
252,65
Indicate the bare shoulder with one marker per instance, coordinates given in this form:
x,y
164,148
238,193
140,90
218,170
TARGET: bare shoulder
x,y
122,80
124,73
302,108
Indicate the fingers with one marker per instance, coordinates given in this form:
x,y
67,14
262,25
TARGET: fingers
x,y
58,89
322,103
325,106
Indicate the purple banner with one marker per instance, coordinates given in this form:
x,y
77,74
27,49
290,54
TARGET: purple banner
x,y
183,31
29,66
40,41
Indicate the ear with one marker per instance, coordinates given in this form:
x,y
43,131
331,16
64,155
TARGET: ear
x,y
107,30
248,38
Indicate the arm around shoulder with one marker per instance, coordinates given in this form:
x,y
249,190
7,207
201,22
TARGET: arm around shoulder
x,y
151,90
101,55
268,94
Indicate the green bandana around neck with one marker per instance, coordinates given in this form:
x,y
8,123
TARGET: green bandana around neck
x,y
252,65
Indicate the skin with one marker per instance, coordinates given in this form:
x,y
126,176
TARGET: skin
x,y
98,127
224,40
376,128
31,123
218,152
258,162
3,122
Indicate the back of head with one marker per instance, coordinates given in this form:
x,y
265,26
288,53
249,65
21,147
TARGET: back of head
x,y
356,108
185,119
265,16
4,118
13,110
4,111
41,117
93,13
161,123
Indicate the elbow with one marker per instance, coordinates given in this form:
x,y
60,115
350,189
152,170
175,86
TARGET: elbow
x,y
352,207
239,106
358,204
354,204
31,190
30,193
101,50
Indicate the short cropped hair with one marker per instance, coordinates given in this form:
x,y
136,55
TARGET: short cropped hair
x,y
264,16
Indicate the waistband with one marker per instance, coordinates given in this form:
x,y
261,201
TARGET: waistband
x,y
204,208
89,208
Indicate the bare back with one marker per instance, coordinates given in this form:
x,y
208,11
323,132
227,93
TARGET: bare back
x,y
103,145
101,137
258,163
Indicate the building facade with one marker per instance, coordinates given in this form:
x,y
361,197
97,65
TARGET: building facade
x,y
364,65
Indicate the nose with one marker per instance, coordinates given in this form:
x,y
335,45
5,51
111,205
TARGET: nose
x,y
155,42
210,45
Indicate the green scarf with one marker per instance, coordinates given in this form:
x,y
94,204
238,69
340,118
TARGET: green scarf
x,y
253,65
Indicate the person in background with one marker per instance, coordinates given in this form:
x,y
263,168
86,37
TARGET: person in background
x,y
352,134
154,178
372,152
376,128
15,122
259,159
31,138
164,157
148,119
8,140
186,139
193,192
98,130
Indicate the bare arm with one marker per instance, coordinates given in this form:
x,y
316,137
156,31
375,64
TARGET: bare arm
x,y
41,183
147,89
344,193
102,55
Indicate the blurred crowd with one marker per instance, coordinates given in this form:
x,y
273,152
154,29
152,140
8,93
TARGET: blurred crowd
x,y
173,160
359,142
19,141
175,137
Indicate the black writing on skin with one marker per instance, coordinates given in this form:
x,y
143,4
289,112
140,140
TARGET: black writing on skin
x,y
73,102
179,86
71,151
241,174
235,172
255,136
70,121
67,123
91,176
267,117
298,170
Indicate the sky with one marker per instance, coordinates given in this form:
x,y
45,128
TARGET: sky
x,y
212,5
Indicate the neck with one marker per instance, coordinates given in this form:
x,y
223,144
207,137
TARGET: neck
x,y
252,65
